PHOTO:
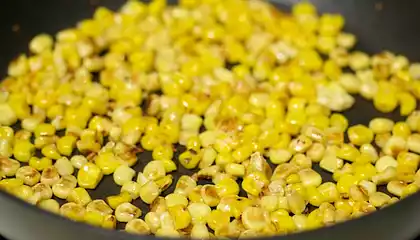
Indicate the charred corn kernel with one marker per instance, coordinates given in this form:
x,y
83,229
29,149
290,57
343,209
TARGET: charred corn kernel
x,y
164,182
79,196
209,195
9,167
309,177
137,226
64,186
401,129
189,159
50,205
149,192
126,212
29,175
254,183
66,144
109,222
226,187
199,212
41,192
185,185
360,135
23,150
73,211
100,207
89,176
116,200
255,218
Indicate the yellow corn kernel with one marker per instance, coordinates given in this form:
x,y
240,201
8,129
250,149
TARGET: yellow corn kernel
x,y
360,135
217,219
413,143
181,217
73,211
407,102
149,192
116,200
401,129
23,150
137,226
79,196
381,125
345,182
64,186
379,199
50,151
226,187
49,205
66,144
309,177
107,162
385,176
89,176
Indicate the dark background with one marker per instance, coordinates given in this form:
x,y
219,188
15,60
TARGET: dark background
x,y
375,26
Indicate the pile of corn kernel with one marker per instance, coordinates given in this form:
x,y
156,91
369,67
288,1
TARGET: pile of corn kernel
x,y
239,85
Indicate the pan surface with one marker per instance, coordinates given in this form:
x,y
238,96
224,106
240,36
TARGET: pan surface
x,y
379,25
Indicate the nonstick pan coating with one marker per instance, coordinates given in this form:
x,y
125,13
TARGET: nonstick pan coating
x,y
379,25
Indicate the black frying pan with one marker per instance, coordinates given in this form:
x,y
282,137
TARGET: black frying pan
x,y
379,25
